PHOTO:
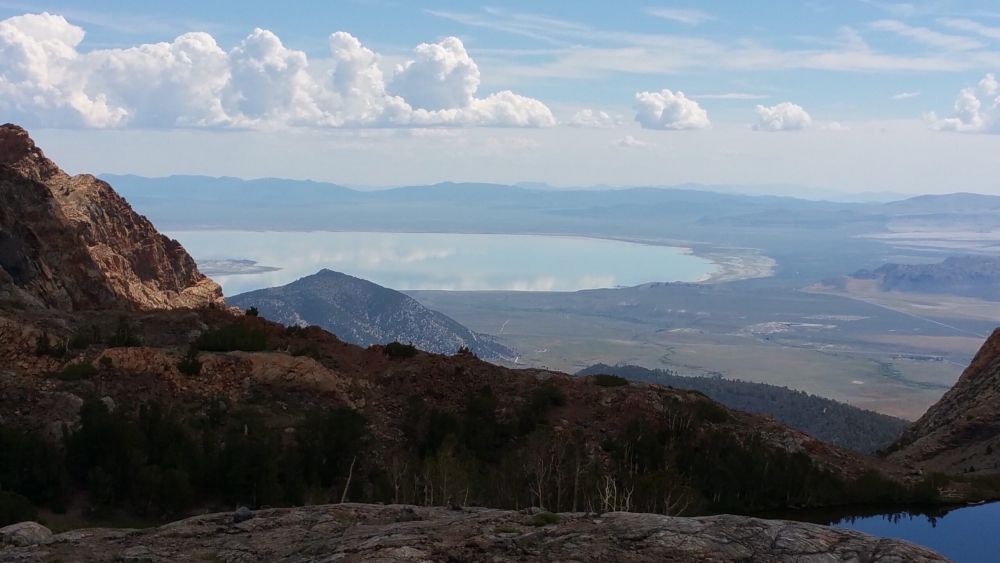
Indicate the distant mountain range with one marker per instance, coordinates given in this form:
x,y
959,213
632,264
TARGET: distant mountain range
x,y
831,421
963,276
810,240
364,313
209,187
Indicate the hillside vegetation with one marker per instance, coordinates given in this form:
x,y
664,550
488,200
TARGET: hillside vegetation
x,y
833,422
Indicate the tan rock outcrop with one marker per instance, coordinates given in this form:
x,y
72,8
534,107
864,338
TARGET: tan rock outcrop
x,y
72,243
17,348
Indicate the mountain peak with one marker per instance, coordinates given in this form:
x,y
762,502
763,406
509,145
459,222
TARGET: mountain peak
x,y
18,151
364,313
71,242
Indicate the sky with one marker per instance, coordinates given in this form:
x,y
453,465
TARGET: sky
x,y
847,95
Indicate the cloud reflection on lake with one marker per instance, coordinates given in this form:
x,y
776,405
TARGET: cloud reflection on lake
x,y
448,261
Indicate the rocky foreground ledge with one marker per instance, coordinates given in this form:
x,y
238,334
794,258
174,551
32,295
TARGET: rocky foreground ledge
x,y
355,532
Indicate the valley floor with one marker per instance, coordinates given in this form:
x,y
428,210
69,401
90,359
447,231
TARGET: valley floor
x,y
874,355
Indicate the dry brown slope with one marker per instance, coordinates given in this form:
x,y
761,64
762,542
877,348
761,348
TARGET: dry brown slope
x,y
72,243
961,432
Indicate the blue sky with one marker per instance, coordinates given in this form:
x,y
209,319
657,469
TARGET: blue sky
x,y
853,95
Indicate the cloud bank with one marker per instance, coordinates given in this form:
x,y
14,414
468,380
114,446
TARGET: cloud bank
x,y
976,110
260,83
667,110
785,116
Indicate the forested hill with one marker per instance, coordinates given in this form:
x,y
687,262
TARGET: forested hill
x,y
828,420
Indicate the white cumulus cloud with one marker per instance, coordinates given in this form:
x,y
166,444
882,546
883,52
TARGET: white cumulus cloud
x,y
785,116
593,118
835,126
269,82
193,82
442,76
905,95
630,142
40,72
667,110
976,110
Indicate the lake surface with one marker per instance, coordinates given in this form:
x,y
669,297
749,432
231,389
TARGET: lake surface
x,y
967,535
449,261
970,534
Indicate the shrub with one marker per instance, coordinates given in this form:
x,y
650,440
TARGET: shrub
x,y
928,491
252,312
508,529
397,350
231,337
84,337
13,304
32,466
101,489
75,372
295,330
605,380
532,413
177,492
545,519
710,411
125,335
464,351
309,349
189,364
45,347
872,487
15,508
106,362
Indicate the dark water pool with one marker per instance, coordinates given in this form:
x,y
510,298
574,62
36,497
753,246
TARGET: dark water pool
x,y
970,534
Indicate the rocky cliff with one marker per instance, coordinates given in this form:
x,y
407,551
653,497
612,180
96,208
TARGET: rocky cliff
x,y
72,243
363,313
353,532
961,432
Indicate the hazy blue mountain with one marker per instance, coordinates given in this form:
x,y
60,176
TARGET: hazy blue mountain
x,y
828,420
361,312
536,195
233,190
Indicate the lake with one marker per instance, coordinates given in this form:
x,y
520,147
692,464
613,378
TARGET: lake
x,y
448,261
970,534
967,535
